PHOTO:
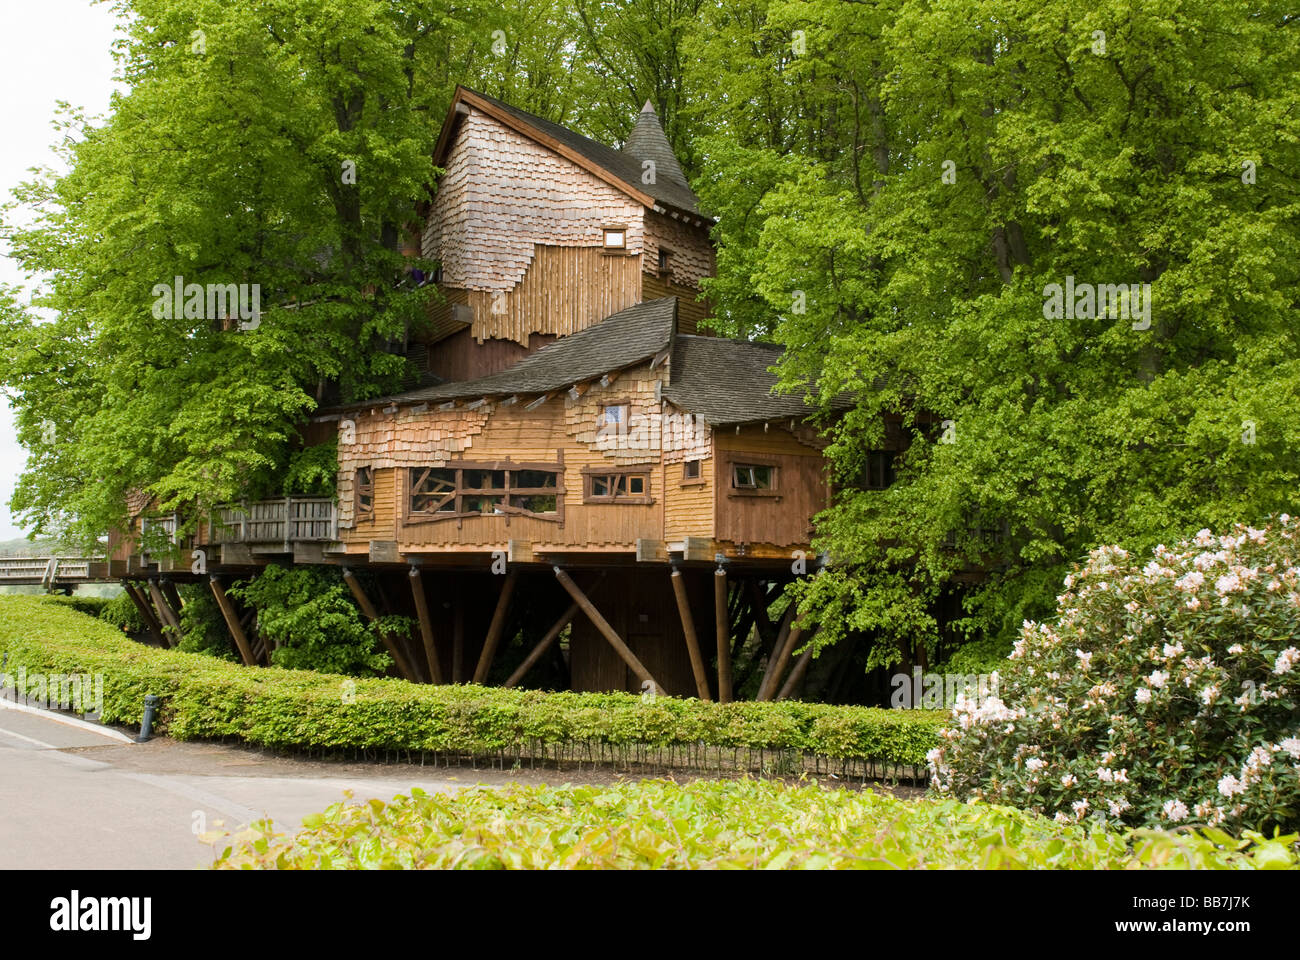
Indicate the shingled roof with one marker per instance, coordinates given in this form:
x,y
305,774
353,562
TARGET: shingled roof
x,y
646,142
621,340
729,381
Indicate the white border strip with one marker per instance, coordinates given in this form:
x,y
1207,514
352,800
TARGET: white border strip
x,y
70,721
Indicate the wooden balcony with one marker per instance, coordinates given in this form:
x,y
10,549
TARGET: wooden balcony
x,y
301,526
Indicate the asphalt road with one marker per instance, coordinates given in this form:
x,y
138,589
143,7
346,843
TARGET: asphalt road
x,y
74,797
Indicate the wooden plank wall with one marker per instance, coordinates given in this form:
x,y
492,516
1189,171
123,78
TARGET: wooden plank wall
x,y
690,312
782,521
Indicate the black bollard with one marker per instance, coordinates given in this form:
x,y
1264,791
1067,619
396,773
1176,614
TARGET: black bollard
x,y
146,724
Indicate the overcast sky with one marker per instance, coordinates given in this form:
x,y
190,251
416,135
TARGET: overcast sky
x,y
50,50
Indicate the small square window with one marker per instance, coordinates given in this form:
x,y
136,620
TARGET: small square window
x,y
615,238
691,470
746,476
636,485
613,415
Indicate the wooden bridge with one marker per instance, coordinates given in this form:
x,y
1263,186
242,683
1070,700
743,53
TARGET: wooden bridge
x,y
53,573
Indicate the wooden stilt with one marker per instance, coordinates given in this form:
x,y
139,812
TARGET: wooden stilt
x,y
722,626
146,612
692,639
368,610
165,614
496,629
552,635
606,630
786,640
796,674
426,626
173,597
232,621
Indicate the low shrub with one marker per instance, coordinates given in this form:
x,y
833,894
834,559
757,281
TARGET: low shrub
x,y
122,613
292,709
1165,692
717,824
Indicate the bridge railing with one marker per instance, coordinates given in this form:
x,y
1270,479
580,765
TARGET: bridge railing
x,y
286,520
44,570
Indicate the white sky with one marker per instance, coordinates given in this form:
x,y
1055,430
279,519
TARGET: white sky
x,y
50,50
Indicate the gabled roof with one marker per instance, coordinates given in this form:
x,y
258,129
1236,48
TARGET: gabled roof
x,y
730,382
619,168
622,340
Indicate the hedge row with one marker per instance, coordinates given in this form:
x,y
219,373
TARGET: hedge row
x,y
205,698
710,824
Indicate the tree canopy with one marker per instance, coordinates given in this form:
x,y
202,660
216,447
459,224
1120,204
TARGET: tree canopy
x,y
904,194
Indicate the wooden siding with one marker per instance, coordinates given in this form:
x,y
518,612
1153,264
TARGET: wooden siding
x,y
461,357
691,253
783,520
502,195
564,290
691,313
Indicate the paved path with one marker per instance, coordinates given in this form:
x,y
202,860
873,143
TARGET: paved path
x,y
76,797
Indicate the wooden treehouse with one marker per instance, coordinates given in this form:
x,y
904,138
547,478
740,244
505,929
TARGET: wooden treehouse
x,y
576,453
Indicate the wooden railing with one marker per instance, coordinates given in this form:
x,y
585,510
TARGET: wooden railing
x,y
288,520
44,570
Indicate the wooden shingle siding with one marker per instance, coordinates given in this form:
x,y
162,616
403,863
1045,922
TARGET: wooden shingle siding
x,y
784,520
502,196
692,256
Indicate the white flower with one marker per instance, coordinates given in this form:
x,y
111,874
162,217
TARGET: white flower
x,y
1131,606
1193,604
1287,659
1210,694
1035,763
1117,807
1236,648
1229,583
1190,581
1143,695
1157,678
1204,538
1105,774
1085,659
1069,780
1061,817
1230,785
1292,746
1175,810
1172,650
1080,808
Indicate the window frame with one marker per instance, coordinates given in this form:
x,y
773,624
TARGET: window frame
x,y
698,478
747,460
890,473
644,470
665,262
360,489
606,230
459,491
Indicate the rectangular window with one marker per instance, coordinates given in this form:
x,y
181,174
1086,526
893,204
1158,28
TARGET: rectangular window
x,y
691,470
615,238
363,490
752,476
613,416
617,488
878,471
665,256
478,490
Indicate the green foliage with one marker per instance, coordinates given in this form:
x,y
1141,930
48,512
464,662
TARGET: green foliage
x,y
313,471
293,709
122,613
203,628
717,825
91,606
309,614
923,294
1163,694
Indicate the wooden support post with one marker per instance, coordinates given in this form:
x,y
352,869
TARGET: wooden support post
x,y
786,640
146,613
496,629
173,597
165,614
692,640
232,621
426,626
796,674
543,645
368,609
722,626
606,630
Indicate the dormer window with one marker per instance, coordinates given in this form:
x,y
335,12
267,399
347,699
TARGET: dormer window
x,y
615,238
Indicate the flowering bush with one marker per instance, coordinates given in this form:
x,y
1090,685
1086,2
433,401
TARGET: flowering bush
x,y
1164,694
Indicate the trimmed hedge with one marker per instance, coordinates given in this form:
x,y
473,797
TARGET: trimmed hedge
x,y
717,825
289,709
